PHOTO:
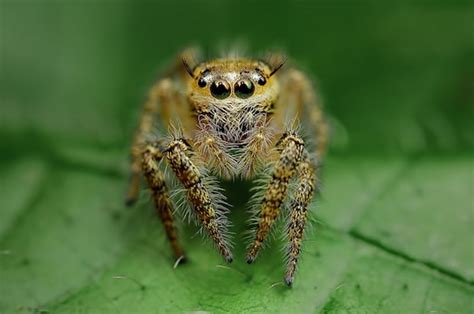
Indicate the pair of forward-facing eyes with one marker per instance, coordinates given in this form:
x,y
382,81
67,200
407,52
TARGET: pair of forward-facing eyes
x,y
221,89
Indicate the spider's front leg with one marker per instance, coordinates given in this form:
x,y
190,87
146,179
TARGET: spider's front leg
x,y
198,194
291,149
292,161
151,156
298,215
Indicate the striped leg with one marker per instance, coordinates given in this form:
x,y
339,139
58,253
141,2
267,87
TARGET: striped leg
x,y
291,152
164,208
163,100
301,99
298,216
150,109
198,194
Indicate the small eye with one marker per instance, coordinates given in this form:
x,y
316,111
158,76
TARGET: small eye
x,y
202,83
262,81
220,89
244,88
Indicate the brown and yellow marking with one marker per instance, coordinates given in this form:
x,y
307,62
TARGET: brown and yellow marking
x,y
298,216
163,205
197,193
292,149
232,112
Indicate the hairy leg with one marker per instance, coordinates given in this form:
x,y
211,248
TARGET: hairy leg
x,y
145,127
258,144
298,216
213,150
291,149
298,103
165,100
164,208
198,194
301,100
313,109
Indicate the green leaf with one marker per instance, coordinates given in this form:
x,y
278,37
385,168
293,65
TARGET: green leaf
x,y
427,213
28,175
77,249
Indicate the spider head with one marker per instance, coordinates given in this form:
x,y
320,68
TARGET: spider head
x,y
232,80
232,96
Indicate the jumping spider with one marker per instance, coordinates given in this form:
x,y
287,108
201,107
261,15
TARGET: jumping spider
x,y
229,118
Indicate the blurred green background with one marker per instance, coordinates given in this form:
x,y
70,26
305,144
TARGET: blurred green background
x,y
398,77
397,209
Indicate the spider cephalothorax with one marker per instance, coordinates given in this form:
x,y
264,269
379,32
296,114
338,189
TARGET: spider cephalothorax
x,y
232,117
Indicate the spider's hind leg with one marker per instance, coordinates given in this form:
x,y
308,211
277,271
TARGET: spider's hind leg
x,y
164,103
145,127
301,99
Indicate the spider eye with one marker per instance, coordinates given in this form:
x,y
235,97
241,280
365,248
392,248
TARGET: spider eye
x,y
220,89
244,88
262,81
202,83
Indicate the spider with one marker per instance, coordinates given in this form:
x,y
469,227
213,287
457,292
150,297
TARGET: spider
x,y
228,118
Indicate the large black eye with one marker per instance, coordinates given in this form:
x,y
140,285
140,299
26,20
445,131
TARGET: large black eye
x,y
202,82
220,89
244,88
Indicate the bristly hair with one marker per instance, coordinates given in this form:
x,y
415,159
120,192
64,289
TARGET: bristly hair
x,y
275,61
175,130
184,208
218,158
286,213
189,59
258,147
310,217
231,50
258,190
254,203
187,67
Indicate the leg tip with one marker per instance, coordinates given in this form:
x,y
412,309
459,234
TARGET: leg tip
x,y
129,201
289,281
229,259
250,259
